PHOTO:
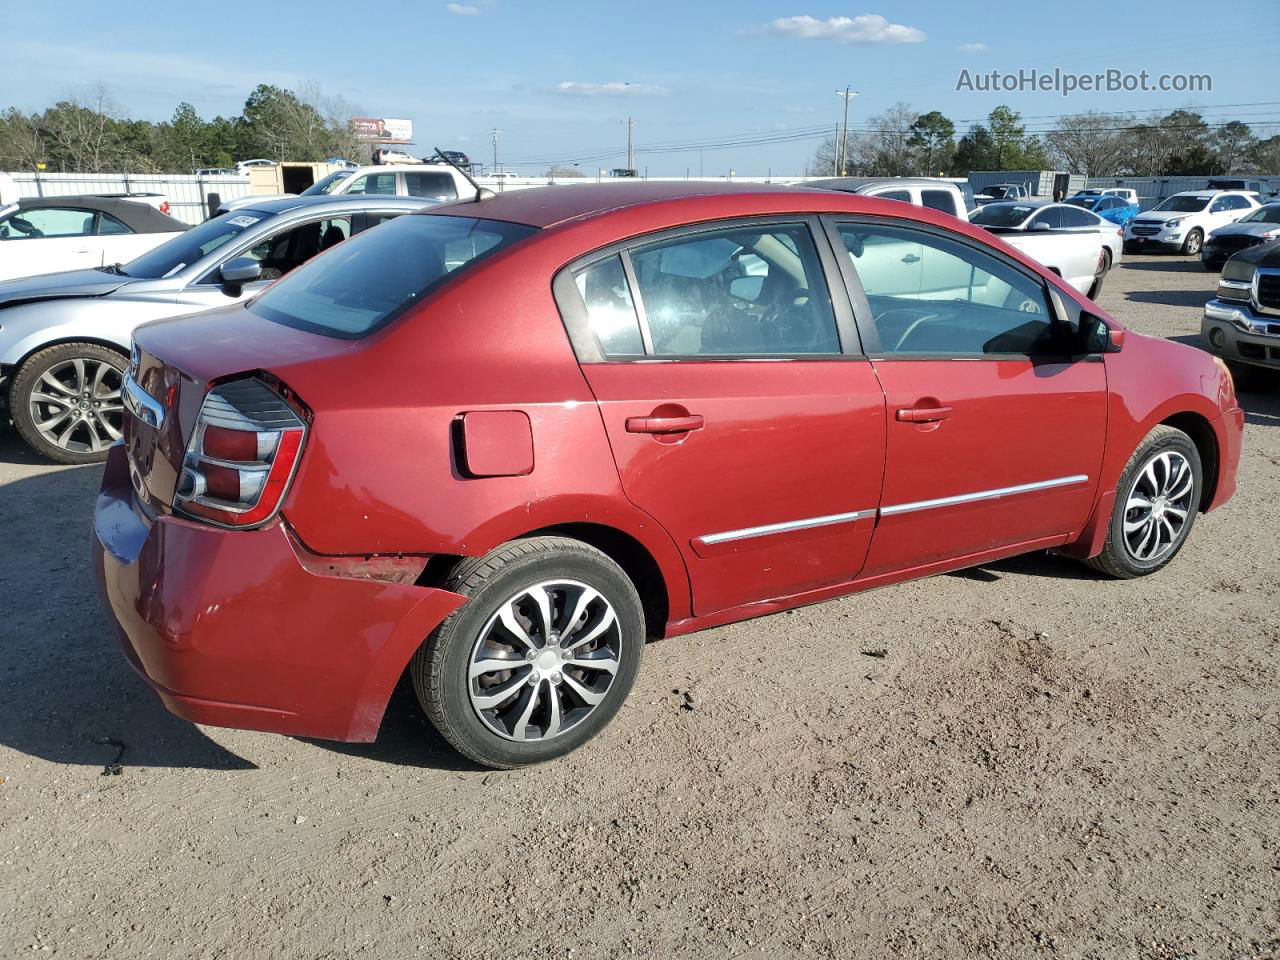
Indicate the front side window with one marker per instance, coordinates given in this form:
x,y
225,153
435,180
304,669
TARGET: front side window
x,y
381,273
933,296
48,222
327,185
380,183
437,186
939,200
281,252
751,290
902,195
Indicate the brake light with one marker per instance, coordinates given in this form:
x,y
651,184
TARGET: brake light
x,y
243,451
164,207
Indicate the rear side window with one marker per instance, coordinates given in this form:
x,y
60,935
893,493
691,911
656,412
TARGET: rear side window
x,y
939,200
1077,218
438,186
1049,218
610,309
379,274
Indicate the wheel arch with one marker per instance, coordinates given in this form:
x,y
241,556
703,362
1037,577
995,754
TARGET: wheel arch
x,y
1198,428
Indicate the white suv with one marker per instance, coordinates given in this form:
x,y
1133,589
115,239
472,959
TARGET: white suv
x,y
1182,221
435,181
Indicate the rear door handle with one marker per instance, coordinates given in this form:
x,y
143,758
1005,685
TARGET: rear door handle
x,y
664,424
910,258
923,414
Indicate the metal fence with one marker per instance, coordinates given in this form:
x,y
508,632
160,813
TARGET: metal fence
x,y
1151,190
188,195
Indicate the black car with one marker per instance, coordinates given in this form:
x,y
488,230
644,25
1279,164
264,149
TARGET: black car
x,y
455,157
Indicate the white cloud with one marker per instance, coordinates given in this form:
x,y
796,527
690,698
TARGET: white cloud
x,y
463,9
614,89
973,48
867,28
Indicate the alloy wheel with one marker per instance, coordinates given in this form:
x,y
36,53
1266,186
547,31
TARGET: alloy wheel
x,y
544,661
76,405
1159,506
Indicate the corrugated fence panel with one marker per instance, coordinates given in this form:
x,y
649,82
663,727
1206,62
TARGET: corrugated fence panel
x,y
187,194
1151,190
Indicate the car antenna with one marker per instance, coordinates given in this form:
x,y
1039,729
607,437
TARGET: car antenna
x,y
481,192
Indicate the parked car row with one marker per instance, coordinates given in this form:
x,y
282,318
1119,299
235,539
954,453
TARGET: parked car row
x,y
1242,322
498,444
1183,221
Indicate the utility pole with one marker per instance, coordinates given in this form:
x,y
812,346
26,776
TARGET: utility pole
x,y
842,149
493,135
631,161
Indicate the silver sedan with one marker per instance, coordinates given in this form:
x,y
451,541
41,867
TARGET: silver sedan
x,y
65,337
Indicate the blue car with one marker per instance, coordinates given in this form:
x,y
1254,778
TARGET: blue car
x,y
1109,207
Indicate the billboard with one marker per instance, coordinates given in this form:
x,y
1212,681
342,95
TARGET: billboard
x,y
382,130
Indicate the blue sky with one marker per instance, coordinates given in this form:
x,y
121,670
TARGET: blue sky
x,y
559,78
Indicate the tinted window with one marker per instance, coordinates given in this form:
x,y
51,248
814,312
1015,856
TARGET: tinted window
x,y
1076,218
110,226
381,183
939,200
1051,217
381,273
49,222
930,295
1106,203
1268,214
1002,215
756,290
903,195
1183,204
438,186
188,247
610,310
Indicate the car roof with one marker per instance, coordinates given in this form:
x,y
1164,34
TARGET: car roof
x,y
138,217
343,201
547,206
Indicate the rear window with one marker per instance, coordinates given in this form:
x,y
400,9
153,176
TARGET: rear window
x,y
379,274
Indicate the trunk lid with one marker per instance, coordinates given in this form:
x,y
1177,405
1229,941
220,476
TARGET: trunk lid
x,y
176,362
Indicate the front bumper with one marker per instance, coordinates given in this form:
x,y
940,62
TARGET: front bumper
x,y
1164,238
1235,332
229,628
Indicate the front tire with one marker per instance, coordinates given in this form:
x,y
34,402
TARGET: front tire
x,y
1156,504
1192,245
66,401
541,657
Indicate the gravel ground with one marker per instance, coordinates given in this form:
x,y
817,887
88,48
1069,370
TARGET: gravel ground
x,y
1042,763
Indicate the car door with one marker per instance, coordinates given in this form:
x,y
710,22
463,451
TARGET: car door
x,y
46,240
994,430
741,414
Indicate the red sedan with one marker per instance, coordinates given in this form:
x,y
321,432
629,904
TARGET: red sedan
x,y
500,444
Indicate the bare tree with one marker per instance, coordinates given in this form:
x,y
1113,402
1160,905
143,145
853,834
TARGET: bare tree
x,y
1091,143
82,128
21,144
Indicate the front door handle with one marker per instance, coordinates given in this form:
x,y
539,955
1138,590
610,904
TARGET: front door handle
x,y
923,414
910,258
683,424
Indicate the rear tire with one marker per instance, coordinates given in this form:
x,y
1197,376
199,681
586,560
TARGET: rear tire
x,y
551,699
66,401
1156,504
1101,275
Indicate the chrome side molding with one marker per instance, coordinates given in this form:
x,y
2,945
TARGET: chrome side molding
x,y
773,528
996,494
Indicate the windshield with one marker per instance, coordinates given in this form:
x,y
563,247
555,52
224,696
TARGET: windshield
x,y
1268,214
1184,204
185,249
1002,215
327,184
379,274
1086,202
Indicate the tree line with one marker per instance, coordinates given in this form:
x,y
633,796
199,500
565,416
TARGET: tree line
x,y
902,142
88,133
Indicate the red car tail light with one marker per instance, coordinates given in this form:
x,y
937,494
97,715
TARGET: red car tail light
x,y
243,451
164,207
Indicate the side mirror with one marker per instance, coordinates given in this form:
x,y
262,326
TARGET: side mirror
x,y
236,273
1097,337
1041,226
241,270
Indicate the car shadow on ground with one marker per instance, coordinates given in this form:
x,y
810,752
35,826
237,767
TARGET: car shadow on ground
x,y
70,696
1174,264
1171,298
1261,407
1038,564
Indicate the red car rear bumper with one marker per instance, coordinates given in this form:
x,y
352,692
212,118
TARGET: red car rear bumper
x,y
231,630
